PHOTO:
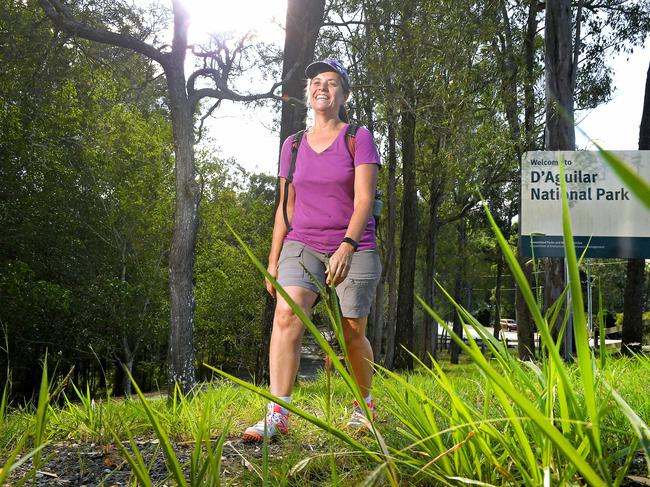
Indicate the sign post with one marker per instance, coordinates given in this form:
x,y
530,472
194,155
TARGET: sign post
x,y
606,219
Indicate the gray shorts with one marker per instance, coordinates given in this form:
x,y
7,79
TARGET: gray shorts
x,y
355,293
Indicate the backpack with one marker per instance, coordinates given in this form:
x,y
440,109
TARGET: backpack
x,y
350,144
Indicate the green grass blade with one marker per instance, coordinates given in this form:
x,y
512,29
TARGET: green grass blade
x,y
638,185
3,403
135,461
638,425
172,463
601,330
214,457
585,358
11,464
545,426
303,414
529,298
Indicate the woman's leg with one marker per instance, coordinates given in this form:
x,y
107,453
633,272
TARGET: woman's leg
x,y
359,351
286,339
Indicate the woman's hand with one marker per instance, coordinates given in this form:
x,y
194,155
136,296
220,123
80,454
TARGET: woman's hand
x,y
273,270
339,264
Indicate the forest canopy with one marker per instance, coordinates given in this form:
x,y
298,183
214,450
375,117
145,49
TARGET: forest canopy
x,y
91,158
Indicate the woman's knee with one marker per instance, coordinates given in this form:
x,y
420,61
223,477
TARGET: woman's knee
x,y
354,333
286,318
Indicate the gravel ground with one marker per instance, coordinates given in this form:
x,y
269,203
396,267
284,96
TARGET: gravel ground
x,y
89,464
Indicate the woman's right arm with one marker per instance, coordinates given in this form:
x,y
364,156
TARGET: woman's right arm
x,y
279,232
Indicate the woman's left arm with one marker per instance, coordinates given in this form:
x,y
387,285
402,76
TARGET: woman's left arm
x,y
365,184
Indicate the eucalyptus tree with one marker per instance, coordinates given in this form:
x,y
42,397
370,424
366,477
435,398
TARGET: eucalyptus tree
x,y
303,22
560,71
635,301
517,49
376,63
117,24
516,52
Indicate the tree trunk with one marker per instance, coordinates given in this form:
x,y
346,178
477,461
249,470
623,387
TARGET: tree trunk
x,y
390,261
458,289
186,223
509,66
558,65
633,307
129,357
644,131
429,291
559,132
378,323
522,313
303,22
496,324
634,300
408,248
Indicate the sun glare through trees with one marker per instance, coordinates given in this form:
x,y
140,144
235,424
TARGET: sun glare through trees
x,y
262,18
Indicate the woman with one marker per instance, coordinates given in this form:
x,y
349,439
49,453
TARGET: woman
x,y
332,234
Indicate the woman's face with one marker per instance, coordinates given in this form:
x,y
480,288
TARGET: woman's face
x,y
326,92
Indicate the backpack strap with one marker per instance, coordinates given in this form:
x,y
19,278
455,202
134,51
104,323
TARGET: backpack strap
x,y
295,144
350,141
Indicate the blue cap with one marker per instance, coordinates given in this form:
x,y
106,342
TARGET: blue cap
x,y
329,64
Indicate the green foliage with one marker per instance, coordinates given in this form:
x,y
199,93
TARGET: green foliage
x,y
230,297
409,407
86,198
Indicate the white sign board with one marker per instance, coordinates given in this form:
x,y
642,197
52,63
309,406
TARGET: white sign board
x,y
605,215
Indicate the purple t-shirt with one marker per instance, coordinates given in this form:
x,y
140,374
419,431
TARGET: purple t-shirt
x,y
324,186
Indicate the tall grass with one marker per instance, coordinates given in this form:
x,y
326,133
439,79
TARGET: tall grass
x,y
34,439
377,452
546,432
544,423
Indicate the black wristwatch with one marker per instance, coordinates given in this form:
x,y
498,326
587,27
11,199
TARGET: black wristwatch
x,y
351,241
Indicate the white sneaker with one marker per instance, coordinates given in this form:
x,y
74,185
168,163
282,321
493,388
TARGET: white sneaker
x,y
276,423
359,420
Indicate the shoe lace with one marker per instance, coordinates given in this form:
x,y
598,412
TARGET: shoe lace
x,y
275,417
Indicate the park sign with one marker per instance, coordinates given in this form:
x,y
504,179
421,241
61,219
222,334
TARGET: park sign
x,y
606,218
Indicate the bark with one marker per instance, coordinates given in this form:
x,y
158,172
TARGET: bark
x,y
303,22
390,260
644,131
496,327
186,214
634,301
525,334
558,65
633,307
458,290
436,189
529,80
129,358
408,248
430,326
522,313
559,132
376,332
525,323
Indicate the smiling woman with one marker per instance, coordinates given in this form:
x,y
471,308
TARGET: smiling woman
x,y
262,17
